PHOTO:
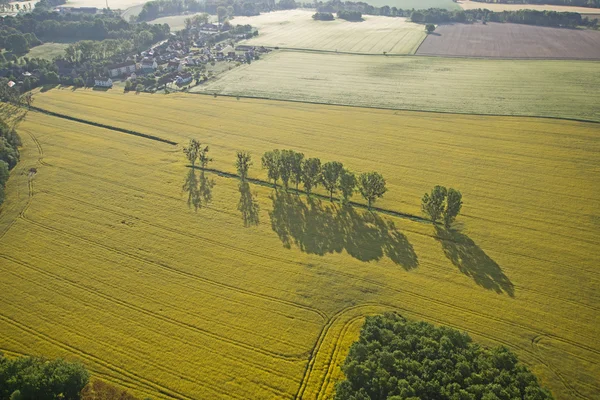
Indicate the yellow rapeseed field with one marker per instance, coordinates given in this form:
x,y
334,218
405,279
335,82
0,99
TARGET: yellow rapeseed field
x,y
178,284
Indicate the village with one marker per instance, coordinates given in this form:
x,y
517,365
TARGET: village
x,y
195,54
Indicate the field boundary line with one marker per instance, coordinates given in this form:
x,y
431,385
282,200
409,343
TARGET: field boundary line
x,y
260,182
99,125
323,103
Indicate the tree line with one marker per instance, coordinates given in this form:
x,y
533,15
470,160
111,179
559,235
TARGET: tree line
x,y
528,17
9,154
350,15
52,26
577,3
287,167
290,166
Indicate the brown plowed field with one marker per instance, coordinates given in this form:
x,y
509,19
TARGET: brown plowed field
x,y
497,40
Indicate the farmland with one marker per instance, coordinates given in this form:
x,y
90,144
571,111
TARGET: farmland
x,y
422,83
511,41
296,29
101,244
470,5
416,4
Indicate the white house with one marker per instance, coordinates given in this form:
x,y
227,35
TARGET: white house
x,y
125,68
103,82
148,65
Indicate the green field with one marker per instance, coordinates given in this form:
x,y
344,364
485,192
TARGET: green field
x,y
295,29
48,51
566,89
105,259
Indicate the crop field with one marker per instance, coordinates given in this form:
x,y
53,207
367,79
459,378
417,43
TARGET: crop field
x,y
511,41
295,29
112,4
178,283
502,87
470,5
175,22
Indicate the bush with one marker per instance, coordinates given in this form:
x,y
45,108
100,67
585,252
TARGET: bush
x,y
40,379
350,15
323,16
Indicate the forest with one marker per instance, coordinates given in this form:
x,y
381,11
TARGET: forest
x,y
395,359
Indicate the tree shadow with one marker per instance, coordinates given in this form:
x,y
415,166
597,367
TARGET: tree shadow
x,y
248,205
198,188
322,228
472,261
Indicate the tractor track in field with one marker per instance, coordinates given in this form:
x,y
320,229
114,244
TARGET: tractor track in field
x,y
189,379
181,324
74,350
218,243
375,283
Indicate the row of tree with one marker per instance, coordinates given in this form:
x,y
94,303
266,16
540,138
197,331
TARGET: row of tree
x,y
399,359
578,3
323,16
350,15
291,166
528,17
52,26
9,154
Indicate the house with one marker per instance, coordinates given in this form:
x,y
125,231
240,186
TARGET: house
x,y
175,65
229,52
148,65
78,10
123,68
209,27
103,82
183,78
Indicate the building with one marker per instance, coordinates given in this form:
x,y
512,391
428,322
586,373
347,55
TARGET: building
x,y
148,65
229,52
183,79
121,69
103,82
176,65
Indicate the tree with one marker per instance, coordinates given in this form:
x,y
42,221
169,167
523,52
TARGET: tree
x,y
296,162
430,28
203,157
371,186
433,204
285,167
27,98
242,164
270,162
347,185
330,175
192,150
4,173
453,206
17,43
127,85
221,13
139,88
311,174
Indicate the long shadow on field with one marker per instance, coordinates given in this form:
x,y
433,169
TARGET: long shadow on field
x,y
198,188
321,228
248,205
472,261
